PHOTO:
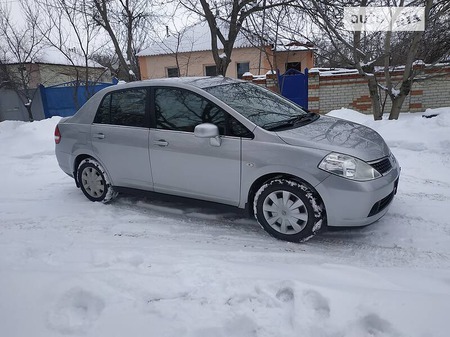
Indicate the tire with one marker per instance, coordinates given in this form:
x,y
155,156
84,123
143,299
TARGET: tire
x,y
94,181
288,210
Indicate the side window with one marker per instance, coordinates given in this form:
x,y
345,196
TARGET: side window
x,y
103,116
182,110
126,107
236,129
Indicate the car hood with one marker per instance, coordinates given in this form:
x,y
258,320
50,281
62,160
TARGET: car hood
x,y
339,135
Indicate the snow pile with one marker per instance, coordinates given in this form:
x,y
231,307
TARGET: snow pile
x,y
171,267
27,139
431,132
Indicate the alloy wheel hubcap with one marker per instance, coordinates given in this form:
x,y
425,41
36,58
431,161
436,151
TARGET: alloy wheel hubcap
x,y
285,212
92,182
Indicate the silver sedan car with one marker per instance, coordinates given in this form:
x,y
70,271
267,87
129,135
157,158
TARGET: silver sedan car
x,y
231,142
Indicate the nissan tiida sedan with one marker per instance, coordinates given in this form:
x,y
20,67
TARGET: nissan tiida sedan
x,y
231,142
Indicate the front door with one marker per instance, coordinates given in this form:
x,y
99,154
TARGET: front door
x,y
184,164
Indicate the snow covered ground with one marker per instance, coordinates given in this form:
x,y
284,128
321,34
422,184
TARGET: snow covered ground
x,y
143,267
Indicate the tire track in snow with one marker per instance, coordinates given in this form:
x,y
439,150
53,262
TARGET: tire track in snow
x,y
354,246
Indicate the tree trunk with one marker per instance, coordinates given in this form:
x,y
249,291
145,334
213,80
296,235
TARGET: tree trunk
x,y
398,101
396,106
223,64
409,72
375,97
30,114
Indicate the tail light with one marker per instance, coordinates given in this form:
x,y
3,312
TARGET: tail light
x,y
57,135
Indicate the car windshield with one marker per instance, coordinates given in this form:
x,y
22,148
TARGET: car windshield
x,y
261,106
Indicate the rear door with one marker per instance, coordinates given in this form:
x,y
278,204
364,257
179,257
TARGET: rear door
x,y
184,164
120,135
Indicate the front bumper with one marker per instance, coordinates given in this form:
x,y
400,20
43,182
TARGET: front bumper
x,y
351,203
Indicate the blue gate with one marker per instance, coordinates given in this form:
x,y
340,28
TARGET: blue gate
x,y
66,98
294,85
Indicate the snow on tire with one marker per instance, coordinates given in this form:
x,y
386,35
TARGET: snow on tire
x,y
94,181
288,210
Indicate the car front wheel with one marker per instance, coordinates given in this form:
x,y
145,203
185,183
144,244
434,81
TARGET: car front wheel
x,y
288,210
94,181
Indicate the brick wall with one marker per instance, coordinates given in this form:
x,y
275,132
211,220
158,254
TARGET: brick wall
x,y
269,80
328,92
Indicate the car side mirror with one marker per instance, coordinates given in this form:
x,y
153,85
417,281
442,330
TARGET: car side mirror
x,y
208,130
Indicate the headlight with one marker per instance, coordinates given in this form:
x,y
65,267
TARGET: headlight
x,y
348,167
392,159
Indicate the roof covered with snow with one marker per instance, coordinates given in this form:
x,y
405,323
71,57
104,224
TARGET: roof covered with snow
x,y
52,55
193,38
333,71
293,46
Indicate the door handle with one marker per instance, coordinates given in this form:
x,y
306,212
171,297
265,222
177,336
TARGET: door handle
x,y
160,142
99,136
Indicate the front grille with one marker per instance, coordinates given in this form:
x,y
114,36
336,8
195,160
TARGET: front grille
x,y
383,166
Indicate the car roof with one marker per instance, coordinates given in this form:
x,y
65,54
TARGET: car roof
x,y
86,113
199,82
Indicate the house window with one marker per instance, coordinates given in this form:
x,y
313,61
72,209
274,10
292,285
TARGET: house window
x,y
294,65
210,71
242,68
173,72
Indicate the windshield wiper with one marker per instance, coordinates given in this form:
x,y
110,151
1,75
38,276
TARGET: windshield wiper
x,y
293,121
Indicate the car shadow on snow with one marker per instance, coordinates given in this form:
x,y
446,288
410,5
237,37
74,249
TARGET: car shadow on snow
x,y
209,215
219,217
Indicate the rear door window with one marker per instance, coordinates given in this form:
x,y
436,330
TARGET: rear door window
x,y
124,107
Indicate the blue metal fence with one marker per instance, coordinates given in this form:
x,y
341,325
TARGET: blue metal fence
x,y
66,98
294,85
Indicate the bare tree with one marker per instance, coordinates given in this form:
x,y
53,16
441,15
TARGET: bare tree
x,y
72,32
19,48
226,19
108,59
277,26
398,96
129,25
365,50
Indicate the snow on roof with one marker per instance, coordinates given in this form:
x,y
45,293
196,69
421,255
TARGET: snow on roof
x,y
52,55
193,38
378,69
333,71
291,48
292,45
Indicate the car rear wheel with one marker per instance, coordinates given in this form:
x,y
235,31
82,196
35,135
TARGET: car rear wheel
x,y
94,181
288,210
